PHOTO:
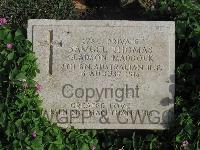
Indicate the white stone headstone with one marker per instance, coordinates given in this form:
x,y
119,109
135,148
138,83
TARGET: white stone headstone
x,y
106,74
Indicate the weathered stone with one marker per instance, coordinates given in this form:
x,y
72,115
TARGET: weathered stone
x,y
106,74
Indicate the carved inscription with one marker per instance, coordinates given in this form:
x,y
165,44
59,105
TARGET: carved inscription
x,y
130,56
108,76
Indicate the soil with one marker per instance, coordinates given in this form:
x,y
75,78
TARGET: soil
x,y
110,10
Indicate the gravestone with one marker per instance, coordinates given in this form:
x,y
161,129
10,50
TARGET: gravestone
x,y
106,74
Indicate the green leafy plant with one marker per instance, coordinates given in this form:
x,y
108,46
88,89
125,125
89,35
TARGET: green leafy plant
x,y
19,11
21,122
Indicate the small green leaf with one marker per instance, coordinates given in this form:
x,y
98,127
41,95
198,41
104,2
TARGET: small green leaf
x,y
2,69
37,144
2,35
3,52
13,73
24,68
20,77
9,38
52,147
84,147
10,56
5,63
69,147
94,132
29,45
18,33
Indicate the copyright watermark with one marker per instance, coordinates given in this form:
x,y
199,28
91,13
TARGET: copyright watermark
x,y
119,94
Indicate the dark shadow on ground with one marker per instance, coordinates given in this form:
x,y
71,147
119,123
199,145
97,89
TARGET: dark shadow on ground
x,y
112,10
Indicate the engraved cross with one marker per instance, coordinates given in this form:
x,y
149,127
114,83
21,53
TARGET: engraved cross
x,y
51,43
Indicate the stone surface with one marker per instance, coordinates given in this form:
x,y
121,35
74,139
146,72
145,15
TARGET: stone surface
x,y
106,74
